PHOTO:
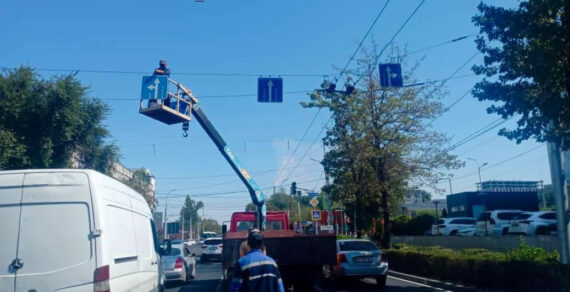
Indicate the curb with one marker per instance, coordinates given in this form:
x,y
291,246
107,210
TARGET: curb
x,y
434,283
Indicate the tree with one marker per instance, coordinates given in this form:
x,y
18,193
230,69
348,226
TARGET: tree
x,y
189,213
212,225
281,201
527,68
51,124
140,182
381,142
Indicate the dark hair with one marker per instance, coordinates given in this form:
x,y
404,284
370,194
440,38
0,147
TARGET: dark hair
x,y
255,239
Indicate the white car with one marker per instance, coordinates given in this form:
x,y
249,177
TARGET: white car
x,y
212,248
471,231
97,234
179,264
190,242
496,222
451,226
534,223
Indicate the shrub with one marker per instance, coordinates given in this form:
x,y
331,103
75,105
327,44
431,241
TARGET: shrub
x,y
523,269
404,225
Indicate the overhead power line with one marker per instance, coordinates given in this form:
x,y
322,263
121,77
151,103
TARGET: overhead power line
x,y
479,132
298,145
499,163
222,175
392,39
443,43
361,41
309,149
174,195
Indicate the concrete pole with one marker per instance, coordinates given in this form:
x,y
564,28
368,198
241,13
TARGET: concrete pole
x,y
560,190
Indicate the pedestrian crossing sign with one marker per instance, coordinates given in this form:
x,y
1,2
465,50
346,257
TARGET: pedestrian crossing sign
x,y
316,214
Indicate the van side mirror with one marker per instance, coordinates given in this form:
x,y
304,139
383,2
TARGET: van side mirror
x,y
224,229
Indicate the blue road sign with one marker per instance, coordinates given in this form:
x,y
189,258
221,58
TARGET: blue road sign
x,y
316,214
391,75
270,90
311,195
172,227
154,87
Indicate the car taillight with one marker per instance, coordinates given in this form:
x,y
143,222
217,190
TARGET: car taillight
x,y
492,221
101,279
383,258
441,226
204,246
178,264
341,258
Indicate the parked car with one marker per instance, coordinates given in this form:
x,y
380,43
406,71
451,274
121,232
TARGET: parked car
x,y
534,223
179,264
470,231
451,226
357,258
96,233
496,222
212,248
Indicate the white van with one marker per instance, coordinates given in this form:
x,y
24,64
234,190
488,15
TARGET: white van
x,y
75,230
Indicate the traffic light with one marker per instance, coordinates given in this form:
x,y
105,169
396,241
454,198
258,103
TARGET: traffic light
x,y
293,188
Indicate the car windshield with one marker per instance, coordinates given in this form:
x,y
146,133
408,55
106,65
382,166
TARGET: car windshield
x,y
508,215
213,242
357,246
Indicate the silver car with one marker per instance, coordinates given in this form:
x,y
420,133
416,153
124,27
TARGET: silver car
x,y
360,259
179,264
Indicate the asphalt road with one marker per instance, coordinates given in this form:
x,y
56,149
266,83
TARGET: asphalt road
x,y
208,280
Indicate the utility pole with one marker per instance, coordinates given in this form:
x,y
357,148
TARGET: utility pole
x,y
436,216
299,208
479,171
560,190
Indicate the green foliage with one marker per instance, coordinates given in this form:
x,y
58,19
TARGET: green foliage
x,y
527,68
44,123
212,225
342,236
523,269
526,252
190,214
140,182
404,225
381,141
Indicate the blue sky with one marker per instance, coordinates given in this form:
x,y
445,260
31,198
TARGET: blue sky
x,y
260,38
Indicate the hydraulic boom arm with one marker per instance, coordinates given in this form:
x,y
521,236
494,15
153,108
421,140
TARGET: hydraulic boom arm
x,y
257,195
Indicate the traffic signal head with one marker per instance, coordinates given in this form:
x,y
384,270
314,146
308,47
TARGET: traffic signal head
x,y
293,188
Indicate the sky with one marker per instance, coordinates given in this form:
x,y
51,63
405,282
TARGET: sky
x,y
218,49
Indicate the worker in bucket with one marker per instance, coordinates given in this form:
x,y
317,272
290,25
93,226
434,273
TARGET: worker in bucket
x,y
161,70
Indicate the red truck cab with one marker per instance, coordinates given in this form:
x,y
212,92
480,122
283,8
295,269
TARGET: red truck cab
x,y
243,221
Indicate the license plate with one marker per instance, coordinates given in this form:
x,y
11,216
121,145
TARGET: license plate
x,y
363,260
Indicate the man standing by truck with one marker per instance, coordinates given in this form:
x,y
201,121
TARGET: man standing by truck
x,y
256,272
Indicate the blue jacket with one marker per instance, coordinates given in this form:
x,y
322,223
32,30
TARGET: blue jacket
x,y
256,272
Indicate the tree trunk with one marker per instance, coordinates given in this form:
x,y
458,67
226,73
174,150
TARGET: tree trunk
x,y
386,237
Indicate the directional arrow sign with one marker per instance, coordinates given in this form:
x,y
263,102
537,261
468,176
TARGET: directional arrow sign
x,y
154,87
270,90
391,75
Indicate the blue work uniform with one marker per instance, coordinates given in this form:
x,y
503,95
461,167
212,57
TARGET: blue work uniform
x,y
256,272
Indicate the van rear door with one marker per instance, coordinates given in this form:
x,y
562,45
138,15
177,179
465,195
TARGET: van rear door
x,y
55,242
10,199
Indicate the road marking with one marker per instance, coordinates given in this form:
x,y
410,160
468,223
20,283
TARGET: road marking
x,y
419,284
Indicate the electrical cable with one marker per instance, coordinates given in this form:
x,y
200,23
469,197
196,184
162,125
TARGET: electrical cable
x,y
361,42
499,163
392,39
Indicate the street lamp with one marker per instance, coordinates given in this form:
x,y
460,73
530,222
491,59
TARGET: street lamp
x,y
478,170
446,178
